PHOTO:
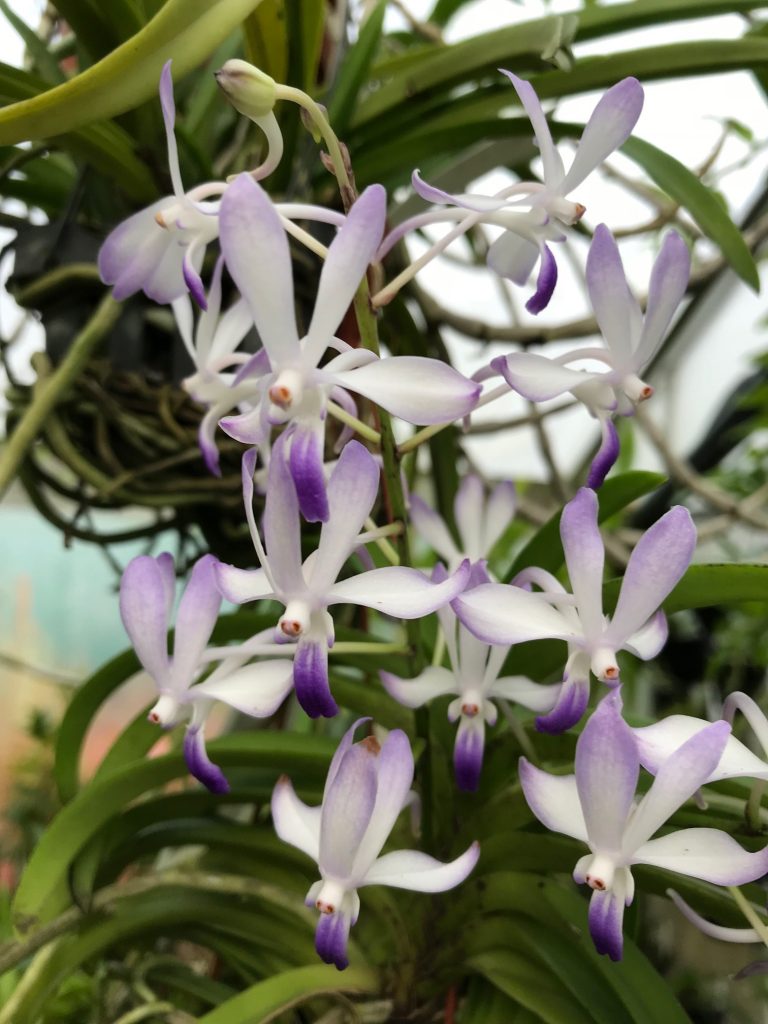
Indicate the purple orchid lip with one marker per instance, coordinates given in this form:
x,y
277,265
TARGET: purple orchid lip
x,y
200,765
605,920
468,757
306,466
571,705
606,456
310,677
331,937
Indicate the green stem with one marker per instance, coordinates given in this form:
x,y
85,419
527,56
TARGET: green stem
x,y
749,912
320,121
149,1010
50,391
352,421
752,809
364,647
55,280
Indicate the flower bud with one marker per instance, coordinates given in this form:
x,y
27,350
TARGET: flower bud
x,y
250,91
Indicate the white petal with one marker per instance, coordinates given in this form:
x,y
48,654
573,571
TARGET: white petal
x,y
241,585
669,281
295,823
615,307
523,691
650,638
706,853
513,257
410,869
538,378
395,590
584,557
468,509
550,158
659,741
432,528
499,513
554,799
196,617
348,806
432,682
257,690
502,614
394,766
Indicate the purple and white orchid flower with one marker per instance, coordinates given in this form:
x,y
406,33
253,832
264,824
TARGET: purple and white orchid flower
x,y
307,590
533,213
632,340
160,249
596,805
296,390
146,601
506,614
480,522
367,787
474,677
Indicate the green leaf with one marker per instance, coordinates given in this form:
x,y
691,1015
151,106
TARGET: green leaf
x,y
186,30
707,210
42,890
266,39
530,985
705,585
266,1000
43,59
354,70
545,549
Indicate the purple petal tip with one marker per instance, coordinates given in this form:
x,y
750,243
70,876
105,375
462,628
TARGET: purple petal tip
x,y
199,764
606,457
310,678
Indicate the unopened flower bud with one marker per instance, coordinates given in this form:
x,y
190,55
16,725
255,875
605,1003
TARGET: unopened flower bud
x,y
250,91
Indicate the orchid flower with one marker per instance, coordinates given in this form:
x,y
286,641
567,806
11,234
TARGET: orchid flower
x,y
307,590
146,601
506,614
474,677
160,249
632,341
597,806
368,784
532,213
480,522
296,390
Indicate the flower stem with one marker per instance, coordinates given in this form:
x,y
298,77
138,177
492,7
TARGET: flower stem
x,y
352,421
752,809
749,912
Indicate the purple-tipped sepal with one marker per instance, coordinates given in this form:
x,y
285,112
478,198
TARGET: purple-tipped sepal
x,y
310,678
200,765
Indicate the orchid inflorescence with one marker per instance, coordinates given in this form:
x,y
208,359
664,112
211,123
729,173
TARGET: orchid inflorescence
x,y
277,403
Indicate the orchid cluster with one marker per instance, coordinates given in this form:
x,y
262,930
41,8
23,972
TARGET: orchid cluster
x,y
277,403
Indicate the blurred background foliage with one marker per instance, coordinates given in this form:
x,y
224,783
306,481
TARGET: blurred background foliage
x,y
143,898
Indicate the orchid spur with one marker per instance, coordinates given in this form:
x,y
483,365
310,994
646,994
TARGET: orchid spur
x,y
307,590
474,677
632,340
146,599
506,614
368,785
597,806
532,213
296,390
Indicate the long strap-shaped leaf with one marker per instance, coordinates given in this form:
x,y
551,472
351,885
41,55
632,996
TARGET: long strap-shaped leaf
x,y
187,30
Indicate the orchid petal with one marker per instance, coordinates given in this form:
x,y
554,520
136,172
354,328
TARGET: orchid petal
x,y
615,306
230,330
432,528
669,280
345,743
650,638
199,764
249,427
526,693
607,768
144,611
585,558
417,389
399,591
513,257
134,251
347,808
434,681
499,513
606,917
256,251
659,741
257,690
742,935
480,204
606,456
410,869
349,255
538,378
554,799
395,776
281,523
656,565
195,619
570,705
545,282
501,614
242,585
706,853
609,127
168,106
677,779
468,752
294,821
550,158
468,509
310,678
191,274
352,491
